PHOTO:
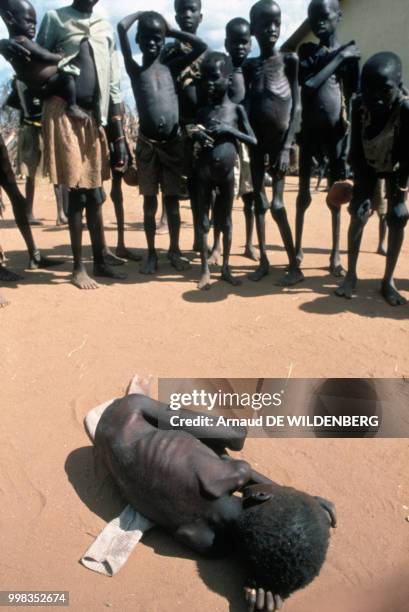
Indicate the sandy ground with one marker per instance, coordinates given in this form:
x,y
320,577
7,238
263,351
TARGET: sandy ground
x,y
64,351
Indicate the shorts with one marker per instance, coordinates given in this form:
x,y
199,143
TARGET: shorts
x,y
160,166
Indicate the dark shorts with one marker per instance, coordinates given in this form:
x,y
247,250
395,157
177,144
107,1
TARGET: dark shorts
x,y
368,186
160,166
6,171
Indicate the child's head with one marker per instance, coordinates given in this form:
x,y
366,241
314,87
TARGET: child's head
x,y
84,6
19,17
265,23
188,15
151,34
324,16
215,71
238,39
381,81
283,535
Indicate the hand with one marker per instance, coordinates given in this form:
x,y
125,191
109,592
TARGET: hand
x,y
259,599
11,50
204,139
218,128
284,161
350,51
120,155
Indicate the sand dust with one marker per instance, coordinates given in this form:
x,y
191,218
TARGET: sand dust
x,y
64,351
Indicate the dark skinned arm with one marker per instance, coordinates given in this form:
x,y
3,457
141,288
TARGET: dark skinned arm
x,y
198,47
39,53
346,52
123,26
291,69
11,50
244,133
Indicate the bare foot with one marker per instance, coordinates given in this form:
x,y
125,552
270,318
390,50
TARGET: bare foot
x,y
381,250
8,276
391,294
290,278
61,220
204,282
215,257
37,261
150,265
337,269
251,253
262,270
81,280
75,112
300,256
347,288
162,228
178,262
112,260
3,302
107,271
228,277
125,253
140,385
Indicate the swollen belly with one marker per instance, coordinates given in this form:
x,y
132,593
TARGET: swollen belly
x,y
220,160
158,122
270,118
325,110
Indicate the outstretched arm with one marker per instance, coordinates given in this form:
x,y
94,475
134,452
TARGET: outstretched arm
x,y
346,52
123,27
197,48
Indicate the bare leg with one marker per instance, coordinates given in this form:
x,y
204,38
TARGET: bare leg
x,y
260,207
215,256
63,84
194,204
30,191
360,209
80,277
395,240
303,198
383,226
118,200
205,198
224,201
173,213
337,172
150,205
163,227
19,205
95,225
61,193
249,250
279,214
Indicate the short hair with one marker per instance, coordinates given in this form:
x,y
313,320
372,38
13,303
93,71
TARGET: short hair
x,y
178,2
215,57
147,18
335,3
237,21
14,5
284,540
259,8
385,61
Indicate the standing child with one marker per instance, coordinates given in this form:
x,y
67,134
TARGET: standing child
x,y
222,124
329,75
272,102
379,149
160,145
